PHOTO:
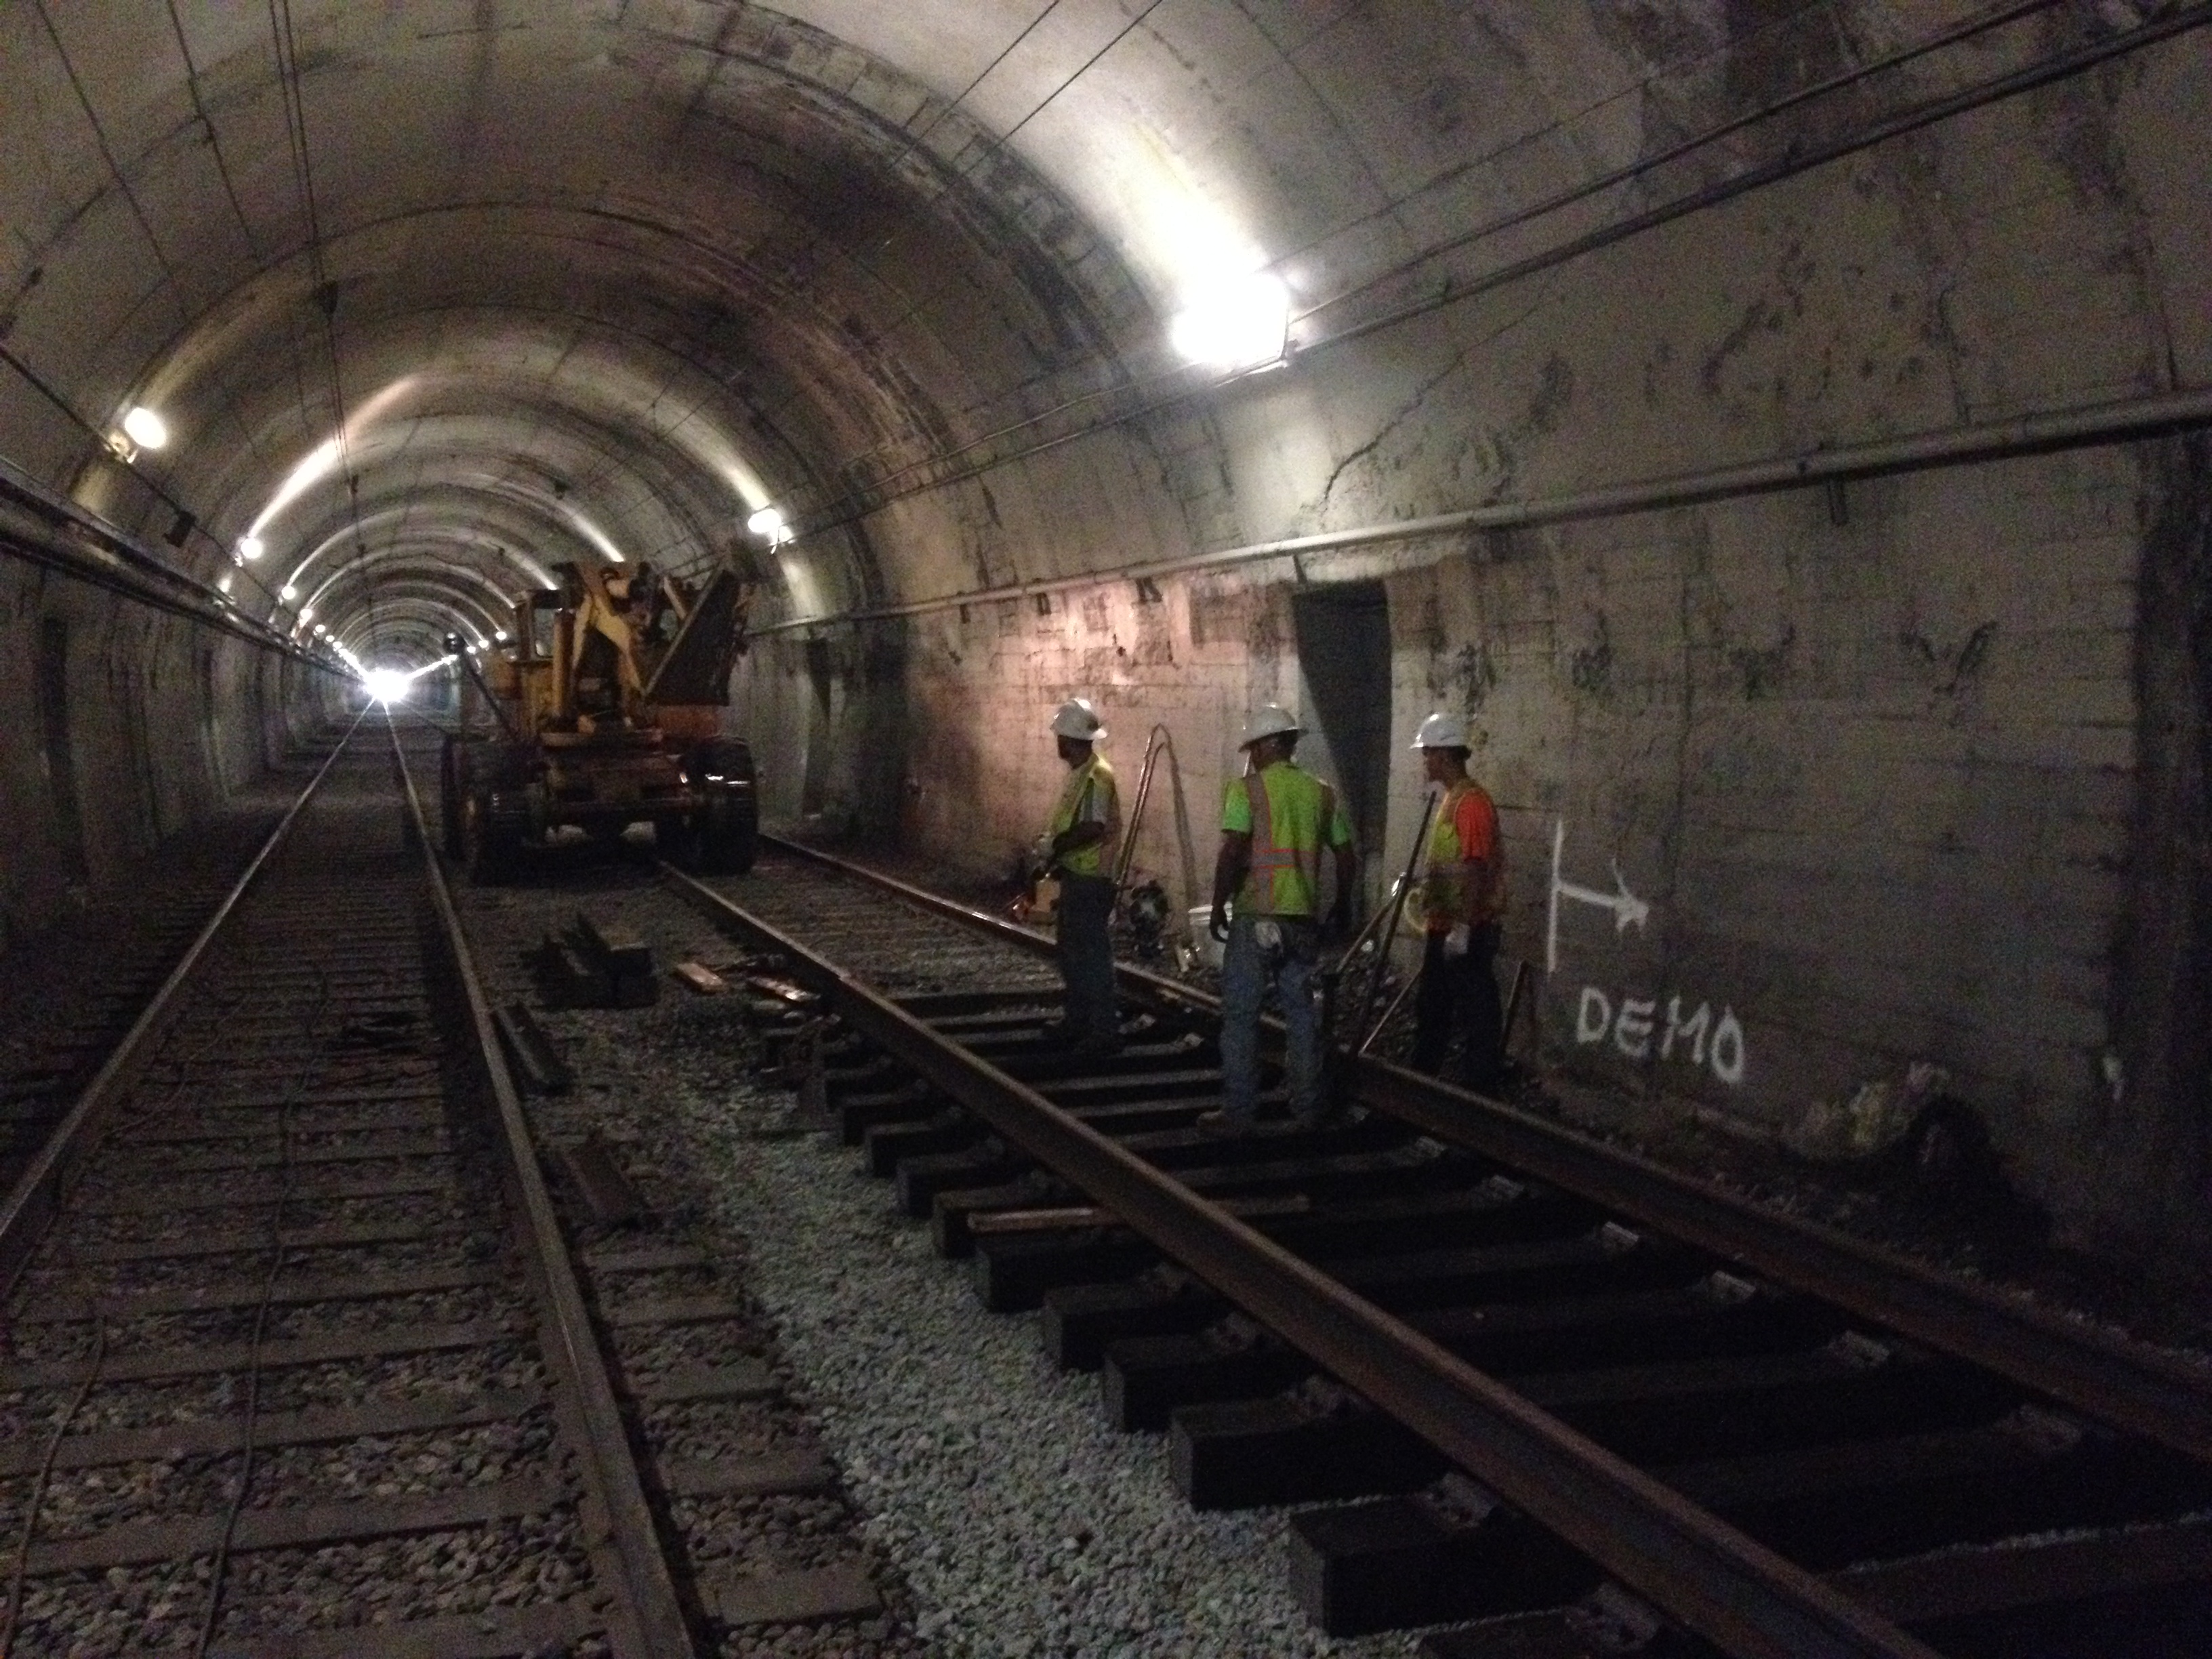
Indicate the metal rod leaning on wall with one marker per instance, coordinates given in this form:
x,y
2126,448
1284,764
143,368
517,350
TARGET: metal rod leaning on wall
x,y
1154,743
1158,743
1396,908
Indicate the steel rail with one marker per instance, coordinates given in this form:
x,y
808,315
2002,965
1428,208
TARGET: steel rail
x,y
2105,1376
648,1596
1715,1580
31,1204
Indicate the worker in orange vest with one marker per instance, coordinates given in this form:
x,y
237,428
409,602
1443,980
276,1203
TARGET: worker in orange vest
x,y
1275,821
1463,899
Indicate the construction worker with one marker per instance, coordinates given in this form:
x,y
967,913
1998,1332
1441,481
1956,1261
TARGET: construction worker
x,y
1463,901
1275,820
1079,849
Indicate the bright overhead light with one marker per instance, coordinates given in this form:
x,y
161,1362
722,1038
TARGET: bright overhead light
x,y
1243,322
251,548
387,685
499,634
287,592
769,525
146,429
224,584
308,614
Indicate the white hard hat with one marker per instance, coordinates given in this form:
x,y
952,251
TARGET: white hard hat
x,y
1077,719
1441,731
1270,719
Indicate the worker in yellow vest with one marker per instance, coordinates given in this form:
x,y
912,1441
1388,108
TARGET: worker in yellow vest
x,y
1078,848
1275,822
1463,901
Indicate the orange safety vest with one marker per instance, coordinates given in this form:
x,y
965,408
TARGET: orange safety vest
x,y
1446,900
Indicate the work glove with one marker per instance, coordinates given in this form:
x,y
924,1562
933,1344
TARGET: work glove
x,y
1043,849
1456,941
1217,923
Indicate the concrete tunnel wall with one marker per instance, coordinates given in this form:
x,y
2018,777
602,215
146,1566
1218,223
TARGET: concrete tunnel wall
x,y
1909,770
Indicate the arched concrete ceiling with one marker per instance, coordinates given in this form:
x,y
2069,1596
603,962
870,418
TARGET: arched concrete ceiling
x,y
528,280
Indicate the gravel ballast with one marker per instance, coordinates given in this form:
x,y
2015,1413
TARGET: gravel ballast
x,y
1023,1524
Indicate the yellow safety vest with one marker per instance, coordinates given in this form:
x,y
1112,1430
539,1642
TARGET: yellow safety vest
x,y
1290,817
1093,774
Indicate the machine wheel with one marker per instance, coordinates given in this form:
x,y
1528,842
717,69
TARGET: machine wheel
x,y
452,793
491,836
729,833
725,829
676,843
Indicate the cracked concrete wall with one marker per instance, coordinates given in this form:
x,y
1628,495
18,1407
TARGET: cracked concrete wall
x,y
1877,802
1886,783
1873,760
151,725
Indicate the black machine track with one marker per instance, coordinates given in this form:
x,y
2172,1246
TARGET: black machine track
x,y
1524,1379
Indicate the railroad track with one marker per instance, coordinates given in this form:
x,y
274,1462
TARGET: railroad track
x,y
297,1357
1518,1372
69,994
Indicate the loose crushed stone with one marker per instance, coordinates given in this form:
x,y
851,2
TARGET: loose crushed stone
x,y
1023,1523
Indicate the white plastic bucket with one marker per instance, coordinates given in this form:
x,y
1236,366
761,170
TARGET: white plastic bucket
x,y
1202,938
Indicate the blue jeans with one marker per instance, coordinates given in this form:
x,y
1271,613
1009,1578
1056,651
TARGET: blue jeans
x,y
1246,970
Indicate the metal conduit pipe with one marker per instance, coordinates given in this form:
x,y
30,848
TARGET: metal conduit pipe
x,y
43,529
2123,420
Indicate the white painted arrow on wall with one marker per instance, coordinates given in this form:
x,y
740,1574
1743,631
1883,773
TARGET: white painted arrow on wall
x,y
1628,910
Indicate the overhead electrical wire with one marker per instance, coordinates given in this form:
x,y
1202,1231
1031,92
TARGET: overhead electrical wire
x,y
326,293
1643,167
1629,173
2060,66
108,154
1320,31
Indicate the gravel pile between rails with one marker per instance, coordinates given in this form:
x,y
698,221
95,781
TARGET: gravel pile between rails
x,y
1024,1525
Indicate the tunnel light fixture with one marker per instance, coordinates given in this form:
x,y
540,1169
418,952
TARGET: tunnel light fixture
x,y
308,614
251,548
288,592
1239,324
499,634
145,429
222,586
770,525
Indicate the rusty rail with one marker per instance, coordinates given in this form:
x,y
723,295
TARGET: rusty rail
x,y
2104,1376
30,1206
1715,1580
650,1603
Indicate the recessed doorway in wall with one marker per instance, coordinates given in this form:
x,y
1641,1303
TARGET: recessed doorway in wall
x,y
56,749
1343,670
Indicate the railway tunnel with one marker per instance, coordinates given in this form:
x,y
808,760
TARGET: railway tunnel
x,y
1775,429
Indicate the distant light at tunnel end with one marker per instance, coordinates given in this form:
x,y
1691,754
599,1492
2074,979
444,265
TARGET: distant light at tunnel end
x,y
387,685
1241,323
145,429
